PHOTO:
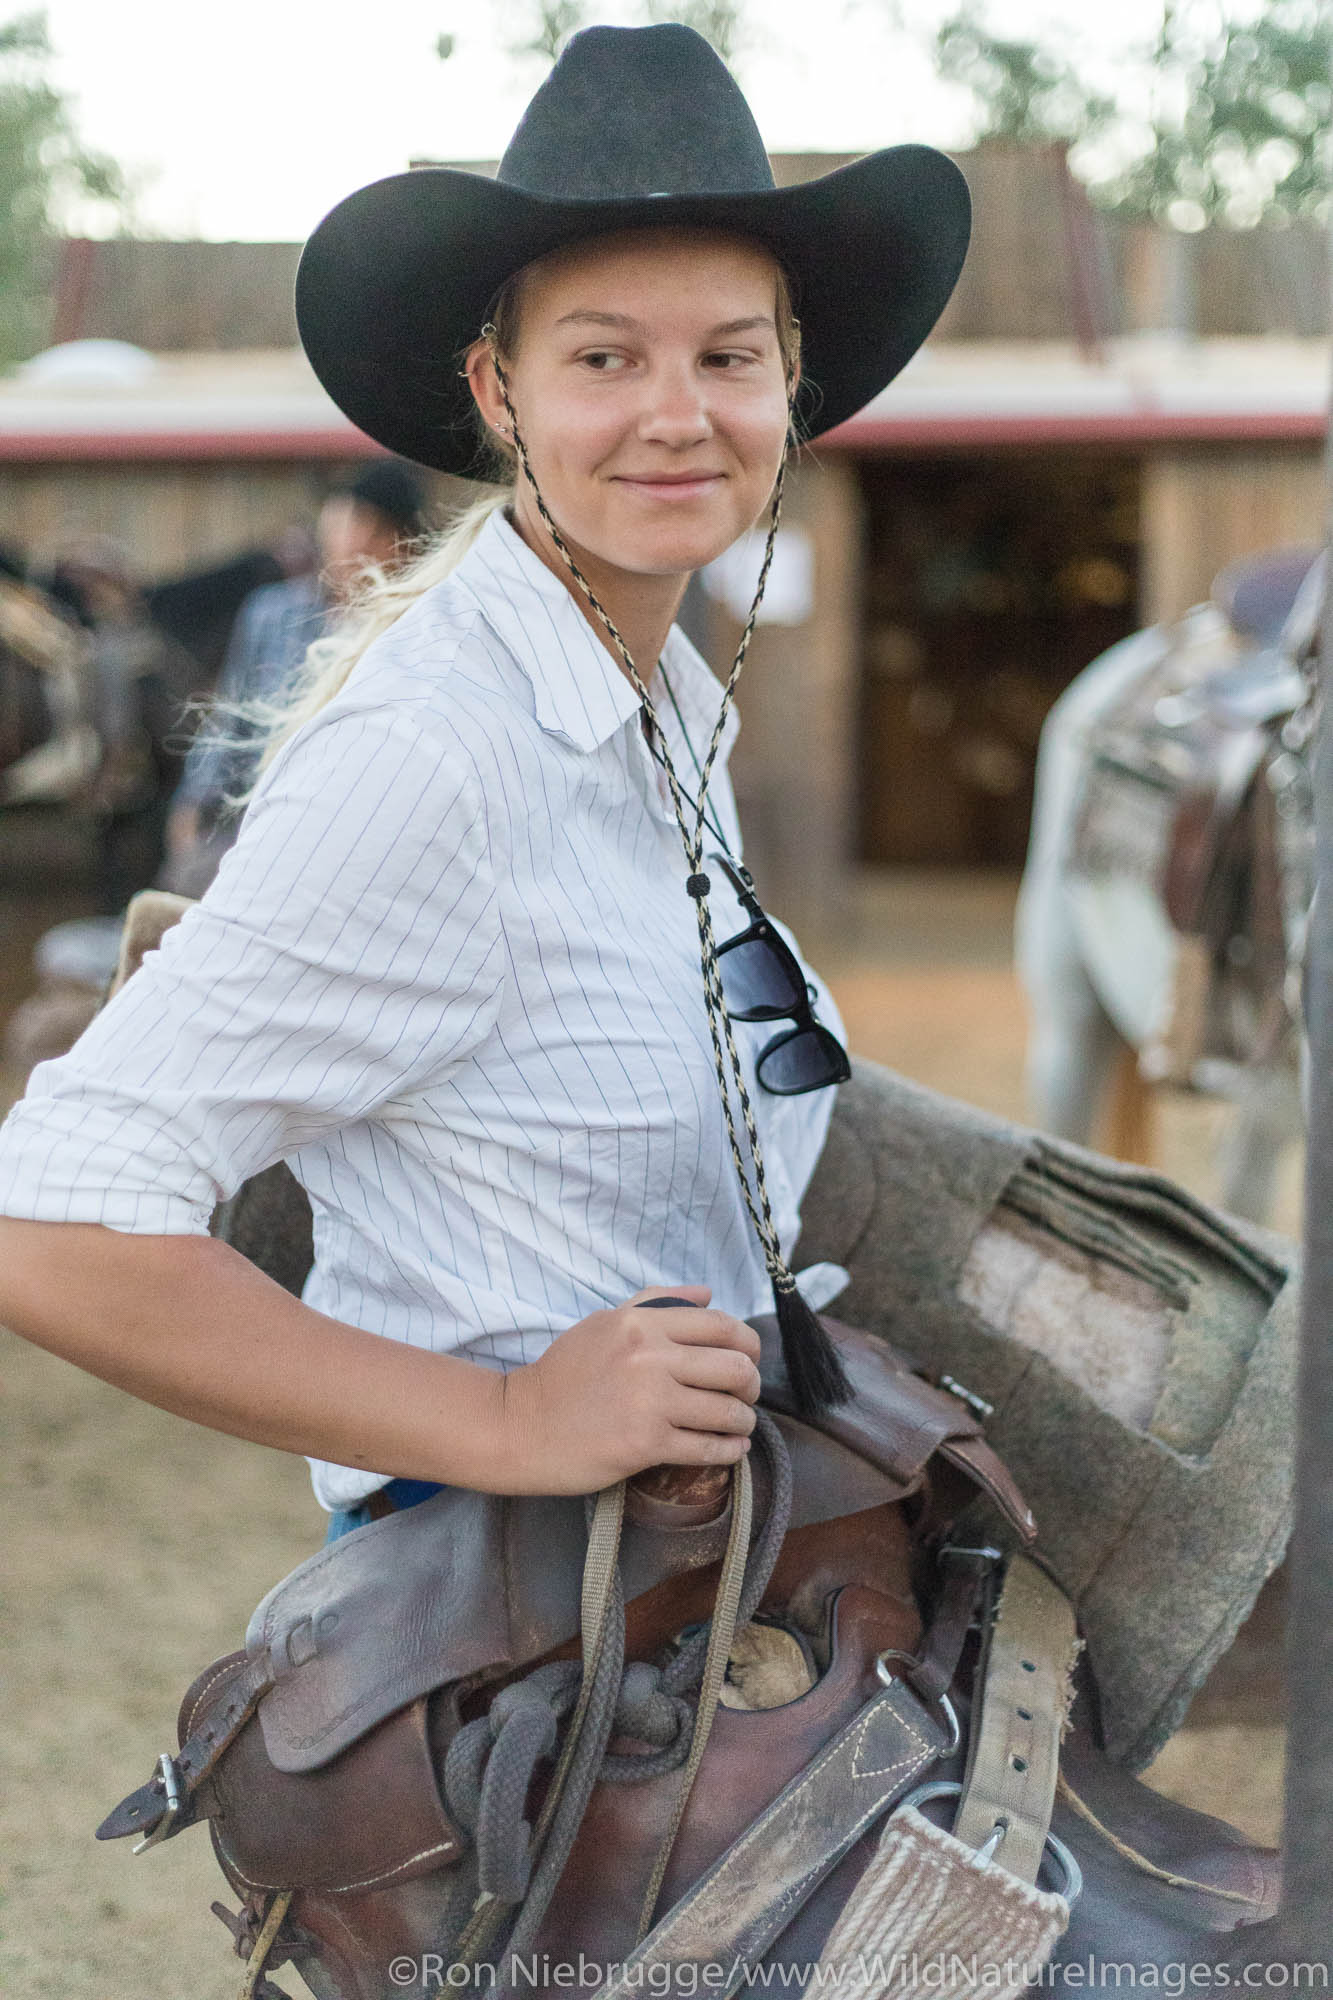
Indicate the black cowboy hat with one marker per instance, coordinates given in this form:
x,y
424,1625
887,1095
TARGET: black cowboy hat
x,y
634,127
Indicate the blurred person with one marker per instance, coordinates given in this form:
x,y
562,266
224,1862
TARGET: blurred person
x,y
371,521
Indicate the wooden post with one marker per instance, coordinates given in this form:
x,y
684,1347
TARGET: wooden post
x,y
793,765
1301,1932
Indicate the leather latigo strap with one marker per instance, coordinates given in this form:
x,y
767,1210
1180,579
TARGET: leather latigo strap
x,y
1014,1751
172,1797
746,1899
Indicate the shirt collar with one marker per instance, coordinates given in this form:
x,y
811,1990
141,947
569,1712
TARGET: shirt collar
x,y
579,691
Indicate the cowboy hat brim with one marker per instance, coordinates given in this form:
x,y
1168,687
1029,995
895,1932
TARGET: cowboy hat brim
x,y
398,279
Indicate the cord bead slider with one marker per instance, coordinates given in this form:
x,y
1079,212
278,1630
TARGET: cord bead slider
x,y
697,886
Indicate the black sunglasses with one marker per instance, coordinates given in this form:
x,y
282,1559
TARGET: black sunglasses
x,y
762,980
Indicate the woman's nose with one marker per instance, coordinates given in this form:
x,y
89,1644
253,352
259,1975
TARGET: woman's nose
x,y
676,409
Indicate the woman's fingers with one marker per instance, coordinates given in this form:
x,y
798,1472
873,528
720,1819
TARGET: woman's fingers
x,y
724,1369
702,1448
706,1410
689,1327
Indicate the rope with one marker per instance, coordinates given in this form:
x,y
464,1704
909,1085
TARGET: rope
x,y
263,1945
1141,1861
491,1761
721,1636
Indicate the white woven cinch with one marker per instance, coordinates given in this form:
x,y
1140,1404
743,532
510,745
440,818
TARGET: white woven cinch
x,y
927,1917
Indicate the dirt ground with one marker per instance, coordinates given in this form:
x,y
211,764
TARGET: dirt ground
x,y
137,1545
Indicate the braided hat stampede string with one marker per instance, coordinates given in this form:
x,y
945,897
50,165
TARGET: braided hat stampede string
x,y
813,1368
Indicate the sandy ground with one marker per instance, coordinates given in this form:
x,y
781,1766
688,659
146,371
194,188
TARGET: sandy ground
x,y
137,1545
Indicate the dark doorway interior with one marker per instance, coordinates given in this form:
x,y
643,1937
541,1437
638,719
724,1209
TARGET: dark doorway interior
x,y
990,582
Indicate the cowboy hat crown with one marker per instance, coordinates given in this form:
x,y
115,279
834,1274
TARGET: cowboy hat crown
x,y
634,128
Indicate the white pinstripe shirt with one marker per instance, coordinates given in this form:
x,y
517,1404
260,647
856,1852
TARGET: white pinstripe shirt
x,y
450,972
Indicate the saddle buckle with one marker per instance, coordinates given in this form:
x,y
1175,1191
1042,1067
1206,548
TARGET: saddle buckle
x,y
980,1408
169,1773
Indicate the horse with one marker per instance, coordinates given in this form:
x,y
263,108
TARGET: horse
x,y
49,749
1169,872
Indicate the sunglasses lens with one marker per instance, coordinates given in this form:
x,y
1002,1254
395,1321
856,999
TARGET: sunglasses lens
x,y
757,982
807,1059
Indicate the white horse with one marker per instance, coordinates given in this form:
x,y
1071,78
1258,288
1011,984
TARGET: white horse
x,y
1115,990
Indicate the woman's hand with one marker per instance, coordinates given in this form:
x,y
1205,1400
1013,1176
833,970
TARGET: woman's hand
x,y
631,1387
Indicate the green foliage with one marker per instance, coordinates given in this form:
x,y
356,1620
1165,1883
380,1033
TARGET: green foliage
x,y
542,27
1252,142
1239,133
42,165
1024,93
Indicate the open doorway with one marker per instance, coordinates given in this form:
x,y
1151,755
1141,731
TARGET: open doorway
x,y
990,581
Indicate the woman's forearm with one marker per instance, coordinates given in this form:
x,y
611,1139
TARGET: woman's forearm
x,y
187,1323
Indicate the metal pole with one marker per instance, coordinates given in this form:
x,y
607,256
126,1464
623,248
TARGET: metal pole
x,y
1303,1931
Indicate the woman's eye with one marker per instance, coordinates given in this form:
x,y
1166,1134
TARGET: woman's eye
x,y
603,363
725,361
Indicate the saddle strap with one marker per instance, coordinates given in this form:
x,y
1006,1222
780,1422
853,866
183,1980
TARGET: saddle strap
x,y
1014,1752
752,1891
165,1805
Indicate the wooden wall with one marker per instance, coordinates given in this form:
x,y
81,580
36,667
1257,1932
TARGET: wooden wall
x,y
1044,264
171,517
1206,505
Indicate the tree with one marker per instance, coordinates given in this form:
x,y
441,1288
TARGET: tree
x,y
1231,124
1024,93
42,168
545,26
1251,143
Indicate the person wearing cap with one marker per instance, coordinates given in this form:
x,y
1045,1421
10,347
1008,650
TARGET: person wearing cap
x,y
373,519
484,965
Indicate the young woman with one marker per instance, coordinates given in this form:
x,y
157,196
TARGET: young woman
x,y
466,966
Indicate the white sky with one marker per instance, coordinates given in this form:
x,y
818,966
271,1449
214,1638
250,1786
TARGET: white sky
x,y
251,119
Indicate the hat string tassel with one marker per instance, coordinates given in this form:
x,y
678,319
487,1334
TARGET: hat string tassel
x,y
818,1379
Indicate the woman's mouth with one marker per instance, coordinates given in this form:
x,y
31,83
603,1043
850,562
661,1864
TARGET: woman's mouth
x,y
670,485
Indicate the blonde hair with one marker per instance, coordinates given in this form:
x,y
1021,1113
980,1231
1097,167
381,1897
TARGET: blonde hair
x,y
378,601
381,597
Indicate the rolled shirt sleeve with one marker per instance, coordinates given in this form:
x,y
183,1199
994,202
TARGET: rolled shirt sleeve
x,y
349,950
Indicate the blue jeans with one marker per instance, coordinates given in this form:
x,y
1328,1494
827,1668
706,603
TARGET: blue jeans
x,y
402,1492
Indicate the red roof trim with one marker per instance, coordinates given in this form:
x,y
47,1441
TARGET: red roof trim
x,y
893,434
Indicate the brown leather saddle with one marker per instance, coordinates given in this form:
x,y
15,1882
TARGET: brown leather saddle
x,y
478,1727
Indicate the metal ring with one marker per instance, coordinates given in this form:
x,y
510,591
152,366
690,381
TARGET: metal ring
x,y
949,1788
942,1701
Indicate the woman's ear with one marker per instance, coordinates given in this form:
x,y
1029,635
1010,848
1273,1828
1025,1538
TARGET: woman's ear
x,y
480,372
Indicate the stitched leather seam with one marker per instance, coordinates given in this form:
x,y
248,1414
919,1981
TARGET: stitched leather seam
x,y
341,1888
761,1827
789,1897
212,1681
882,1770
387,1875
